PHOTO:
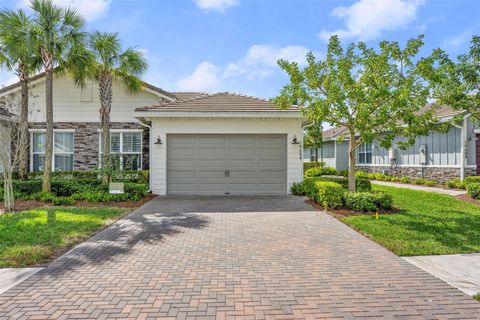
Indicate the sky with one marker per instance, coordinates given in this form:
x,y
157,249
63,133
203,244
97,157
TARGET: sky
x,y
233,45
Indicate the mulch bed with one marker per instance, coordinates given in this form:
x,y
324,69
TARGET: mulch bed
x,y
468,198
345,212
23,205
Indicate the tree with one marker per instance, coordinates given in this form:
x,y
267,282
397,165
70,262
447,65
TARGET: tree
x,y
17,54
374,93
108,63
13,149
314,137
458,83
57,32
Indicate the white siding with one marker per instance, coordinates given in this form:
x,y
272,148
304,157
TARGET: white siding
x,y
72,104
161,127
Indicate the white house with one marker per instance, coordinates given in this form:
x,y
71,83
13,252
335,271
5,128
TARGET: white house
x,y
193,143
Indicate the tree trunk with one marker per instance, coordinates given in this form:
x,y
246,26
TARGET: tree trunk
x,y
23,161
47,165
9,198
351,163
316,156
105,107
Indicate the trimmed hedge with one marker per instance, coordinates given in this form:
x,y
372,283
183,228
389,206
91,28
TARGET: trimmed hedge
x,y
328,194
368,201
360,184
472,179
308,165
320,171
136,176
473,189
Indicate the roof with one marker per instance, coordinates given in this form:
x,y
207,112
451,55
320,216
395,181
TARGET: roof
x,y
42,75
218,102
442,111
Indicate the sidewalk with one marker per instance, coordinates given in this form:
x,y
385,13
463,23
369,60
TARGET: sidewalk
x,y
450,192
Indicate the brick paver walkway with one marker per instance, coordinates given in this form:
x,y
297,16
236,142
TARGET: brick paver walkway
x,y
278,265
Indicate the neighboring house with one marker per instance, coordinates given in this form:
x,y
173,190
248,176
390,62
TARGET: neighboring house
x,y
197,143
439,156
5,118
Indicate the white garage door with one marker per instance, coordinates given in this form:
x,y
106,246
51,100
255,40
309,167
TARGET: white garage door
x,y
226,164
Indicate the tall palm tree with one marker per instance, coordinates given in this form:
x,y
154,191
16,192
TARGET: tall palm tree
x,y
57,32
108,63
17,54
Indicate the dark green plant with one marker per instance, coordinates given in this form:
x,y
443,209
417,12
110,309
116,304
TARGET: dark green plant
x,y
473,189
320,171
328,194
368,201
456,184
472,179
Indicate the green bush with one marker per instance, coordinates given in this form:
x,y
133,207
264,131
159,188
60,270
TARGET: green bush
x,y
368,201
320,171
308,165
135,176
43,196
63,201
405,180
472,179
343,173
473,189
136,191
360,184
328,194
425,182
456,184
298,189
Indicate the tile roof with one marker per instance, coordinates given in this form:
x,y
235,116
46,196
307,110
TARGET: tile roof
x,y
218,102
442,111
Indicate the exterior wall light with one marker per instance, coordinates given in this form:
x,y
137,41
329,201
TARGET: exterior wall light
x,y
159,141
295,141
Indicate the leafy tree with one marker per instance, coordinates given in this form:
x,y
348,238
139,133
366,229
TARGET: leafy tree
x,y
313,137
109,63
57,34
373,93
458,82
17,54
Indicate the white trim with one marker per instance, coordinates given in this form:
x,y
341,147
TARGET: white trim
x,y
257,114
121,153
33,131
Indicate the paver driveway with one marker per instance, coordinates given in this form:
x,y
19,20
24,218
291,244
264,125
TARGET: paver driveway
x,y
232,260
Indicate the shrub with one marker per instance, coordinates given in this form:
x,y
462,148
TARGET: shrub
x,y
363,175
472,179
44,196
343,173
396,179
328,194
135,191
456,184
320,171
368,201
298,189
405,180
360,184
308,165
135,176
425,182
473,189
63,201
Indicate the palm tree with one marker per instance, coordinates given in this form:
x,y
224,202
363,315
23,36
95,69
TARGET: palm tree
x,y
110,63
17,54
57,32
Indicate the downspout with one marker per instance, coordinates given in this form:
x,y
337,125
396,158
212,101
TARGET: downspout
x,y
463,139
150,146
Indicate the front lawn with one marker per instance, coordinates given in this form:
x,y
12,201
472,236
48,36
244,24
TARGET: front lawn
x,y
33,237
428,223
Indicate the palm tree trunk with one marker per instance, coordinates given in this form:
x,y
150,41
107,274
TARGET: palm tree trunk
x,y
23,162
105,107
47,165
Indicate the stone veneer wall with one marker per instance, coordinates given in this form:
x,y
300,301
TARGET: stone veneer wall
x,y
440,174
86,141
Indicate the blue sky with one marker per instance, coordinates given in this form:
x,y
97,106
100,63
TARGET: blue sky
x,y
233,45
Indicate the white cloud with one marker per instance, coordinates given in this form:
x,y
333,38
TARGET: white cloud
x,y
215,5
90,9
367,19
458,41
205,77
261,60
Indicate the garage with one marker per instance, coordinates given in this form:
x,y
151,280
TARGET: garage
x,y
226,164
223,144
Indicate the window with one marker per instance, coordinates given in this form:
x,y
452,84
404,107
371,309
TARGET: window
x,y
62,151
365,153
128,147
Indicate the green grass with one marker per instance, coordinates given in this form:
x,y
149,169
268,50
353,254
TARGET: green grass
x,y
29,238
428,223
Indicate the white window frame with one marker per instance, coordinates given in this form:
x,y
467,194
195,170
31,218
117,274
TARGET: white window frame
x,y
32,131
365,152
121,153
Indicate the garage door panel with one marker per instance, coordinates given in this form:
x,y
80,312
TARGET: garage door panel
x,y
256,163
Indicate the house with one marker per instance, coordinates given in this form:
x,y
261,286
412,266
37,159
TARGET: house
x,y
5,118
438,156
193,143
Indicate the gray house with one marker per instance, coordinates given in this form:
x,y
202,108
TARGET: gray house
x,y
438,156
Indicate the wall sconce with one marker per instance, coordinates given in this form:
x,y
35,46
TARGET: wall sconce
x,y
159,141
295,141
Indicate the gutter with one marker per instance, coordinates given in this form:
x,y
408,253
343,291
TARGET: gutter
x,y
150,146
